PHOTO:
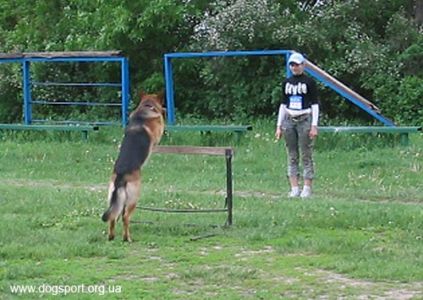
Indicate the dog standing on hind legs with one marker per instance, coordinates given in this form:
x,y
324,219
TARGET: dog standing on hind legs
x,y
144,131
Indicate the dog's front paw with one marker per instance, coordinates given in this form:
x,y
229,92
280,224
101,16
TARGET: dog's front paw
x,y
127,239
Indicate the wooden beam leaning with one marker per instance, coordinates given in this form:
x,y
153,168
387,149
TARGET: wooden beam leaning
x,y
228,152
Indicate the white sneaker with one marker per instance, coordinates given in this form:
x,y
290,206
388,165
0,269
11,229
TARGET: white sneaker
x,y
306,192
294,193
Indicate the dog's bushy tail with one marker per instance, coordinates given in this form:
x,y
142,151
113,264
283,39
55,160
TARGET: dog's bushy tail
x,y
116,201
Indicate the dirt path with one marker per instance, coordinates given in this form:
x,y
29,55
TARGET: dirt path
x,y
103,187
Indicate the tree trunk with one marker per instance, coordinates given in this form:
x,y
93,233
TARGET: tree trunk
x,y
418,12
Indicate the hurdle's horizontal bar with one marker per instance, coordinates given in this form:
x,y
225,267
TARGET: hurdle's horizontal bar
x,y
90,84
168,210
194,150
74,103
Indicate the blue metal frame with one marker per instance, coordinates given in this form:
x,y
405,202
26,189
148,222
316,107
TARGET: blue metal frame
x,y
287,53
10,60
170,102
27,84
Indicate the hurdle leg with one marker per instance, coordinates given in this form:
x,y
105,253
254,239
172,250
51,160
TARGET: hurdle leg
x,y
229,188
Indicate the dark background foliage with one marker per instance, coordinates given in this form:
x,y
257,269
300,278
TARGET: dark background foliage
x,y
375,47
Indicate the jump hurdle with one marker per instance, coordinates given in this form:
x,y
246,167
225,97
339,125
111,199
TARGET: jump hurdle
x,y
228,152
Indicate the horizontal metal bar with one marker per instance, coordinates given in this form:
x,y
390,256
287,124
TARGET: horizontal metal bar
x,y
226,53
48,127
10,60
94,84
369,129
99,123
44,102
168,210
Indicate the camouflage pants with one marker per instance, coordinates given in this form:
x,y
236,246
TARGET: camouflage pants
x,y
297,140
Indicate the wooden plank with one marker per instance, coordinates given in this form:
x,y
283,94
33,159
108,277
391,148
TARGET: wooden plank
x,y
340,85
10,55
183,210
61,54
194,150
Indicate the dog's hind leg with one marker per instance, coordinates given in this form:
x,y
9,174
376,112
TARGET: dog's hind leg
x,y
133,192
126,219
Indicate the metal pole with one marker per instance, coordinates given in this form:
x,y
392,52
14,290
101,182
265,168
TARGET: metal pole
x,y
170,103
125,90
27,92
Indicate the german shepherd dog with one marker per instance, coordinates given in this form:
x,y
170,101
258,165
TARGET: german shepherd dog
x,y
144,130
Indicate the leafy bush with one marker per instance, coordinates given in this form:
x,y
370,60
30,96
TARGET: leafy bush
x,y
375,47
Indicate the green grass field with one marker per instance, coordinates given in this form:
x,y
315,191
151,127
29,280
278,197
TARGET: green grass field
x,y
359,237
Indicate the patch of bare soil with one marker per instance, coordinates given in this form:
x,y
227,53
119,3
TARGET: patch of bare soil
x,y
372,289
54,183
222,192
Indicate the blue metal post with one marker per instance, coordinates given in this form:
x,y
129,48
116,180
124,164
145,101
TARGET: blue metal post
x,y
125,90
26,83
170,102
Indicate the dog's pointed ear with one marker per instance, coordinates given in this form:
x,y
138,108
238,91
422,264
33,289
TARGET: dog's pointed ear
x,y
161,96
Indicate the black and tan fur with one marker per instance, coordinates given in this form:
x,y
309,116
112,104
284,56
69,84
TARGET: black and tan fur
x,y
144,131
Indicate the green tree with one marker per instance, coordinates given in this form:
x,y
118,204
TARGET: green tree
x,y
375,47
144,30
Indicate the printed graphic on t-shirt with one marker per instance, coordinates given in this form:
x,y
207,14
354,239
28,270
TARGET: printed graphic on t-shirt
x,y
295,102
295,89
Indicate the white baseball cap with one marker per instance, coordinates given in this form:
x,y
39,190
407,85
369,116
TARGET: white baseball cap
x,y
296,58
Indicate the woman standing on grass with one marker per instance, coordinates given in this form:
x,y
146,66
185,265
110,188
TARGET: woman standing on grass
x,y
297,122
